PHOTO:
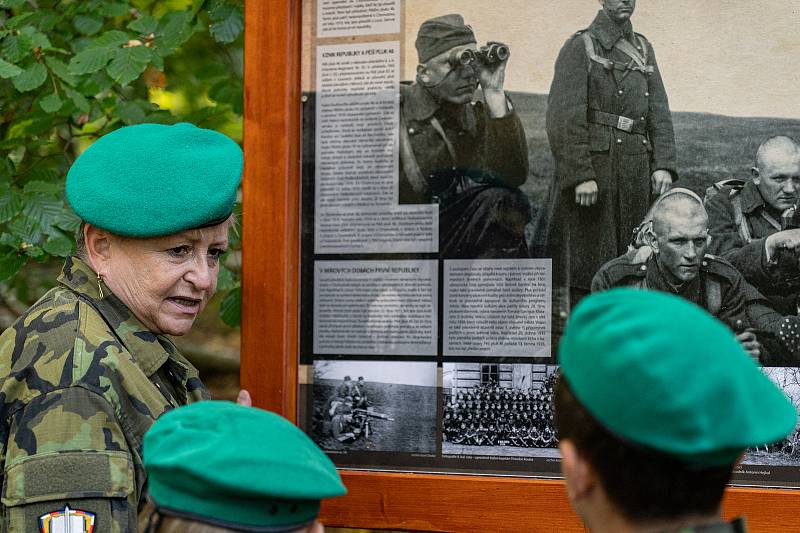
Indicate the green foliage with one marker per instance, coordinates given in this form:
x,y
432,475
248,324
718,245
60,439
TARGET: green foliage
x,y
71,72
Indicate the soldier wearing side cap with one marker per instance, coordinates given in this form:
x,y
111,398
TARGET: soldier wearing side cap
x,y
637,456
215,467
610,130
673,259
89,367
467,156
754,223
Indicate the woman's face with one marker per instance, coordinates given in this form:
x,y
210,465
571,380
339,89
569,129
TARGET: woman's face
x,y
166,281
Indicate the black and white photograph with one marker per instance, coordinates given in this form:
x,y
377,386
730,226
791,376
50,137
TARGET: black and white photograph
x,y
377,406
502,410
787,451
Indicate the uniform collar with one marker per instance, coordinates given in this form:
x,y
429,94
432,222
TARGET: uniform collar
x,y
149,350
418,103
657,279
609,32
751,197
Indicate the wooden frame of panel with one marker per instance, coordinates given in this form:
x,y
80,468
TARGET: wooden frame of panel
x,y
271,226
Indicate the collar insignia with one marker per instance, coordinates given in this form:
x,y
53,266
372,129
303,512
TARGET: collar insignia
x,y
67,521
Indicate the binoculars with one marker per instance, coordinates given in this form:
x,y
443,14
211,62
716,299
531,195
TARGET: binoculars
x,y
488,55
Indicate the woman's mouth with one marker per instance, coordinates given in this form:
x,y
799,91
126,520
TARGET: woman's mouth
x,y
184,304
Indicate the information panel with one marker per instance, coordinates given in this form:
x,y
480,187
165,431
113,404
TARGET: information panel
x,y
471,171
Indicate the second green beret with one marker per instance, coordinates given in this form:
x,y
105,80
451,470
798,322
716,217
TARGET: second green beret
x,y
236,466
656,370
152,180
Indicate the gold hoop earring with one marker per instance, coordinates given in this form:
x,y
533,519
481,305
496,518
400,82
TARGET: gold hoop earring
x,y
99,285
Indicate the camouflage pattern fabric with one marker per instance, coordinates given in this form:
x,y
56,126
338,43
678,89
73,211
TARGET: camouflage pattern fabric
x,y
81,381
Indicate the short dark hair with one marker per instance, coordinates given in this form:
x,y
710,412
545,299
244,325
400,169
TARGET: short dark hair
x,y
643,483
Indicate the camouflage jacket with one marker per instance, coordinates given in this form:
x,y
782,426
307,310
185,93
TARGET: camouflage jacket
x,y
81,381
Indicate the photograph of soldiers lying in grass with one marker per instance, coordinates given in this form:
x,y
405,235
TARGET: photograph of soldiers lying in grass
x,y
375,406
498,409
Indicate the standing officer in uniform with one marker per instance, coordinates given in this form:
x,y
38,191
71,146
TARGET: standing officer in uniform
x,y
653,414
89,367
468,156
675,261
215,467
610,131
754,225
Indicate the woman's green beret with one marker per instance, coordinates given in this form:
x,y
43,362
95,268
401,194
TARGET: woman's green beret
x,y
151,180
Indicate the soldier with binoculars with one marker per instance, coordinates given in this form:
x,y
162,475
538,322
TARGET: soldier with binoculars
x,y
467,156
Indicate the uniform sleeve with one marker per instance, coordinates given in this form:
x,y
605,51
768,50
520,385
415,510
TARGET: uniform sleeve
x,y
66,448
779,335
567,129
659,123
734,302
601,281
507,149
748,258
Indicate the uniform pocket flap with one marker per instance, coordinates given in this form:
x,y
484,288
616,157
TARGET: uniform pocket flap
x,y
599,138
68,475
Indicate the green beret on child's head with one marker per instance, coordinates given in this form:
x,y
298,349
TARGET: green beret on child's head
x,y
235,466
658,371
152,180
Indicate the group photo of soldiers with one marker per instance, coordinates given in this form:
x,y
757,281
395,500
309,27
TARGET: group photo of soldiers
x,y
498,409
489,415
374,406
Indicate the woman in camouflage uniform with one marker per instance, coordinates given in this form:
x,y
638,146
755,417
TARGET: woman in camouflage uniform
x,y
89,367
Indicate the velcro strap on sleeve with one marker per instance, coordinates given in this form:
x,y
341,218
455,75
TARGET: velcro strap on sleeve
x,y
68,475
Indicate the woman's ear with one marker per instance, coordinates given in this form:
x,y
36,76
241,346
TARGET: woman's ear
x,y
98,247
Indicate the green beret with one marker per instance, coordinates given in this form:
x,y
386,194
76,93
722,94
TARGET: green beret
x,y
440,34
151,180
235,466
658,371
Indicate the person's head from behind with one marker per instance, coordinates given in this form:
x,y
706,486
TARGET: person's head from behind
x,y
652,413
777,172
219,466
446,53
156,204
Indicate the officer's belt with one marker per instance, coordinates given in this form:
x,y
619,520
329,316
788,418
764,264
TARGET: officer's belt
x,y
619,122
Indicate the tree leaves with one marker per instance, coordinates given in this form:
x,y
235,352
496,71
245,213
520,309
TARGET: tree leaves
x,y
11,261
87,24
128,63
230,309
60,69
7,70
90,60
51,103
10,203
228,23
30,78
145,24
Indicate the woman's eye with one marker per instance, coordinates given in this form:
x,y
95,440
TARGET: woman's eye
x,y
216,253
179,251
